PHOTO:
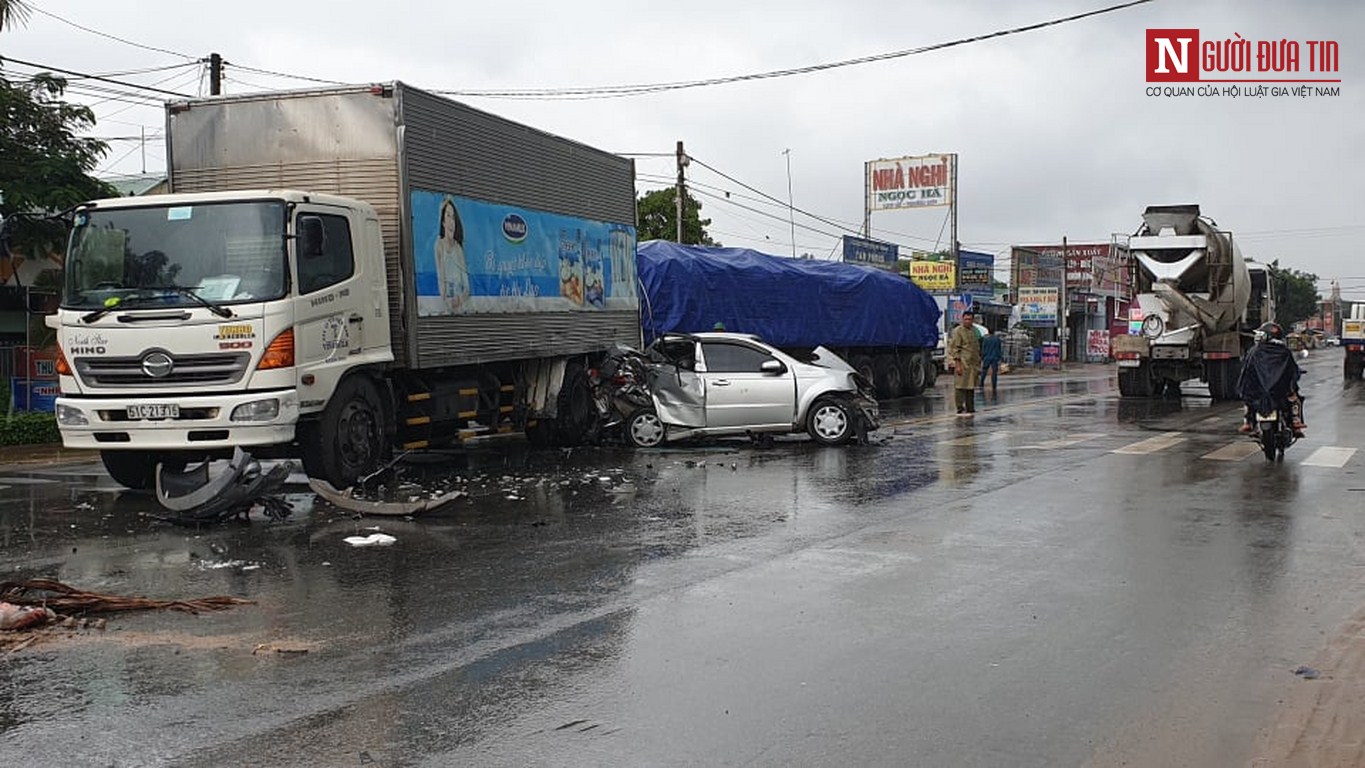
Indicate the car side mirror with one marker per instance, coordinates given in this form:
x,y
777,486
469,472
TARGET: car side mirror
x,y
772,366
311,237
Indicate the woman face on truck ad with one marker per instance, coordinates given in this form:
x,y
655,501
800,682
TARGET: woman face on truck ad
x,y
451,229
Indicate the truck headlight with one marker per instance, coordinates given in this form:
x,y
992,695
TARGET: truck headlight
x,y
1153,326
260,410
71,417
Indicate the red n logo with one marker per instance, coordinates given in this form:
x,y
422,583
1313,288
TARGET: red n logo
x,y
1172,55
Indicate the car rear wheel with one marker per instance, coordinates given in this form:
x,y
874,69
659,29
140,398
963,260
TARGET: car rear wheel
x,y
830,421
644,429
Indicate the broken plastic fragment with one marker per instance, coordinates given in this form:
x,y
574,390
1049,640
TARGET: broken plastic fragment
x,y
373,540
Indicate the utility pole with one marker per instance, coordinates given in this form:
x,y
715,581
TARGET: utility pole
x,y
144,150
791,215
1065,304
952,213
682,190
215,74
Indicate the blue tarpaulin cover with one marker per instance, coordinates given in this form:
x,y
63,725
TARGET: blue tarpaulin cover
x,y
786,302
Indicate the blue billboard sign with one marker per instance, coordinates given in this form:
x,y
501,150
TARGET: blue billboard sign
x,y
473,256
975,271
34,394
864,251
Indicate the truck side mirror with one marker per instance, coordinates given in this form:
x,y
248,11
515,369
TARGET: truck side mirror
x,y
310,237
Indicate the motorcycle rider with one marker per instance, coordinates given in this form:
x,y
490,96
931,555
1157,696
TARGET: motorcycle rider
x,y
1270,380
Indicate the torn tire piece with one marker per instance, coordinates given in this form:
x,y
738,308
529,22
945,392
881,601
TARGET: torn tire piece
x,y
342,499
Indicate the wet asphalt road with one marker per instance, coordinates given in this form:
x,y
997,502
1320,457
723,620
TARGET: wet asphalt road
x,y
1064,580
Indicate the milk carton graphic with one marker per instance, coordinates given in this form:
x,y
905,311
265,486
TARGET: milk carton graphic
x,y
571,265
622,262
594,286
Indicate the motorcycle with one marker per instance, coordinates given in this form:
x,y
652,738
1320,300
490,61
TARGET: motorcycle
x,y
1273,434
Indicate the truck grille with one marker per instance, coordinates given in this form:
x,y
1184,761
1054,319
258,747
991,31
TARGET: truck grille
x,y
185,369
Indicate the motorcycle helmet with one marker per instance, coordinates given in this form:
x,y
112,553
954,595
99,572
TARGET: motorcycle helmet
x,y
1270,332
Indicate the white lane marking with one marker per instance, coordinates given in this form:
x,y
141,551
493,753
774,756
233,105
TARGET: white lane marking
x,y
1234,451
978,439
1329,456
1152,444
1063,442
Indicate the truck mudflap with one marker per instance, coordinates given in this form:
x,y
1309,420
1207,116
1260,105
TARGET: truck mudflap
x,y
198,495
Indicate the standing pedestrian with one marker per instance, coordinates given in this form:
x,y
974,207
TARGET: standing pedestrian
x,y
964,353
992,350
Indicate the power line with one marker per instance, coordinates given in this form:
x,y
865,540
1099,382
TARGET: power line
x,y
638,89
259,71
114,37
88,76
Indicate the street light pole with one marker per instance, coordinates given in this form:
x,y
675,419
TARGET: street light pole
x,y
791,215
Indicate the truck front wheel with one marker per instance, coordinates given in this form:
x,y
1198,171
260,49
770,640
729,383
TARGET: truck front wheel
x,y
350,440
135,470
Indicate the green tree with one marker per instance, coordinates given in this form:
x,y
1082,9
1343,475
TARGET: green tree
x,y
12,12
657,214
1296,294
46,165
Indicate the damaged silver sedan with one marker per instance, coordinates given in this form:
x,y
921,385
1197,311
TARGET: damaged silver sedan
x,y
727,384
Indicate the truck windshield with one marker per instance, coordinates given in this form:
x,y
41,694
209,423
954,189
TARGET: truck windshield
x,y
174,256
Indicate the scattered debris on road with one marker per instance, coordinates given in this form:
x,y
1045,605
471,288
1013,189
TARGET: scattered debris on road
x,y
196,496
345,499
373,540
54,595
1307,673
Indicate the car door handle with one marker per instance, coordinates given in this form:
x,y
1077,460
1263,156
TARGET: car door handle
x,y
356,318
721,383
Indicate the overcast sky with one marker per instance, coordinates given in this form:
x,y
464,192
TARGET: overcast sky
x,y
1053,128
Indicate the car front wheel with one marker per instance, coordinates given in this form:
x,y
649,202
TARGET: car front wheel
x,y
830,421
644,429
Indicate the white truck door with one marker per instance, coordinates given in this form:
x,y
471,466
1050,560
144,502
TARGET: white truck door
x,y
333,294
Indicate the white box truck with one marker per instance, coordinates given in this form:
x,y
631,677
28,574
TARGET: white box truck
x,y
340,273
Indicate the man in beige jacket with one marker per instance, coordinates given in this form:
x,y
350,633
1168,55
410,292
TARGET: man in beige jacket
x,y
964,354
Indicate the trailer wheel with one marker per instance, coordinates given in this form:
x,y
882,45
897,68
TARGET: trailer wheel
x,y
888,377
918,371
348,441
863,364
136,470
930,370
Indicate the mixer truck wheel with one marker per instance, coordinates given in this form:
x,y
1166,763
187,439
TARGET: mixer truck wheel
x,y
926,362
888,377
1136,382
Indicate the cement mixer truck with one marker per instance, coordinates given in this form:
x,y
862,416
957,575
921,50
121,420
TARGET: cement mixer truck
x,y
1193,289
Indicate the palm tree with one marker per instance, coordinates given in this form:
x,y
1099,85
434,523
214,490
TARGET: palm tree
x,y
13,12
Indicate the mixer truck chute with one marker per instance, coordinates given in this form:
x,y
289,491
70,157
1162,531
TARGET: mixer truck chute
x,y
1193,288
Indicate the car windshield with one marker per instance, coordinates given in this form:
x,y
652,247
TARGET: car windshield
x,y
177,256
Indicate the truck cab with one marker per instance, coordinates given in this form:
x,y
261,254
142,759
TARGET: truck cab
x,y
193,323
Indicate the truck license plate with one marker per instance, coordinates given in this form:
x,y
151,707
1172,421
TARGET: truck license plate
x,y
156,411
1130,363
